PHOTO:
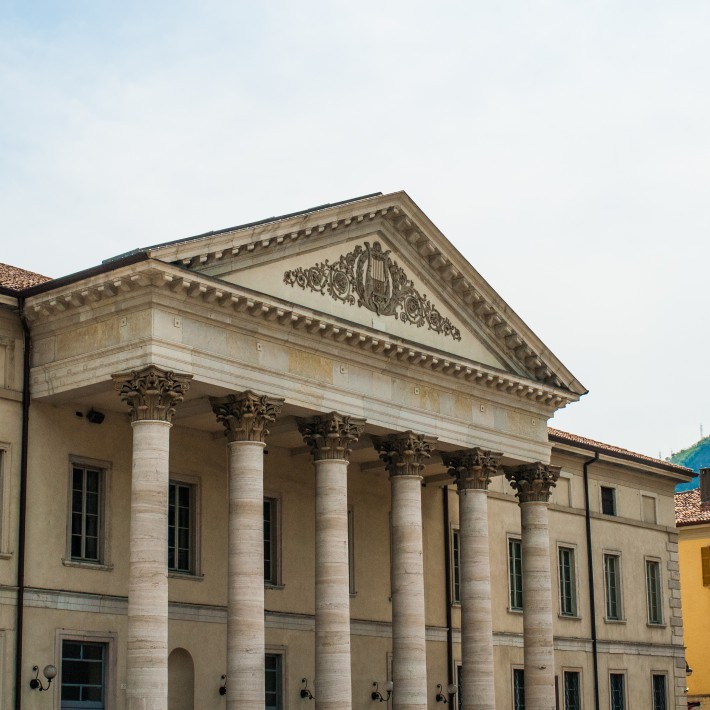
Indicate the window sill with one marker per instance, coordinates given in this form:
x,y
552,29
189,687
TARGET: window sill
x,y
514,611
5,555
187,576
271,585
653,625
85,564
614,621
571,617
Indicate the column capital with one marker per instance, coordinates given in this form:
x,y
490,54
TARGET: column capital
x,y
472,468
330,436
246,414
152,393
404,454
533,481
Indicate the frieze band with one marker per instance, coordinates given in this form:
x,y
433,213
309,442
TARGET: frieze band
x,y
379,283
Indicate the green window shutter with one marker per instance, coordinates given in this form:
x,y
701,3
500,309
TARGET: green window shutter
x,y
705,557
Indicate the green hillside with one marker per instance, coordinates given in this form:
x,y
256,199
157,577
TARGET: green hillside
x,y
696,457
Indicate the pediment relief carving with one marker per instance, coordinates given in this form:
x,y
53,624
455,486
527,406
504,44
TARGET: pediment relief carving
x,y
368,277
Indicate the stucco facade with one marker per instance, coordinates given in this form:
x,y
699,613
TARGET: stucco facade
x,y
294,412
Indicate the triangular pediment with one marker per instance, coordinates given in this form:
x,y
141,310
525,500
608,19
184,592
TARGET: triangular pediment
x,y
376,262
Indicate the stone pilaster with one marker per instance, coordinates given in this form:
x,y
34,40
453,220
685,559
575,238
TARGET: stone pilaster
x,y
151,394
245,417
533,483
472,470
330,438
405,456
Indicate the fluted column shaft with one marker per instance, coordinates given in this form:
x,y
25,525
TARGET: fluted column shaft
x,y
533,483
329,438
245,416
404,456
152,394
472,469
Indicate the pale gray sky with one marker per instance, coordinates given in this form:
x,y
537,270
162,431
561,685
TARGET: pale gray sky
x,y
563,147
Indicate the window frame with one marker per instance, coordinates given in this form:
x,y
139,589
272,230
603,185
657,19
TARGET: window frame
x,y
110,640
103,544
580,697
705,565
621,674
571,548
280,652
619,600
456,565
654,497
5,466
614,501
275,580
351,552
194,484
517,671
659,591
511,538
664,675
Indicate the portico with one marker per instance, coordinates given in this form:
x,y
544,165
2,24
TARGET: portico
x,y
352,344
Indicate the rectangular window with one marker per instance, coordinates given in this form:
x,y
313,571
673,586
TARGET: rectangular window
x,y
659,692
616,691
83,676
705,563
608,501
181,528
518,689
653,592
612,585
351,550
86,511
515,573
273,682
572,690
456,564
568,584
271,575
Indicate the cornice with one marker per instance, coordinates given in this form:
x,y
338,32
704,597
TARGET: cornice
x,y
408,221
231,299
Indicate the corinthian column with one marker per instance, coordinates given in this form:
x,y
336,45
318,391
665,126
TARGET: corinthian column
x,y
533,483
245,416
404,456
472,470
151,394
330,438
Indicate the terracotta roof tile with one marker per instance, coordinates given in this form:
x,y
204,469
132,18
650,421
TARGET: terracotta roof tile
x,y
616,450
16,279
689,510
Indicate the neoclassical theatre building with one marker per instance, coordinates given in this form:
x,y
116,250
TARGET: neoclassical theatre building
x,y
306,462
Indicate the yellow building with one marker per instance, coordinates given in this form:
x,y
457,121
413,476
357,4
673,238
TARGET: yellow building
x,y
310,457
693,522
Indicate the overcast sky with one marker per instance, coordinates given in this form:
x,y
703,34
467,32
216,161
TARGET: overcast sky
x,y
563,147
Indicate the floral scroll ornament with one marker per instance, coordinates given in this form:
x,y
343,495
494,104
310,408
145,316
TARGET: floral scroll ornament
x,y
369,277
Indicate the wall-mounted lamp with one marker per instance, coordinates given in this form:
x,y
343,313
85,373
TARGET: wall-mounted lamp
x,y
377,695
305,693
223,687
440,697
49,672
94,417
688,669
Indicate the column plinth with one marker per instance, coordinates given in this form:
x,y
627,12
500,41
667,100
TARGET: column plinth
x,y
404,456
533,483
245,417
152,395
330,438
472,470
